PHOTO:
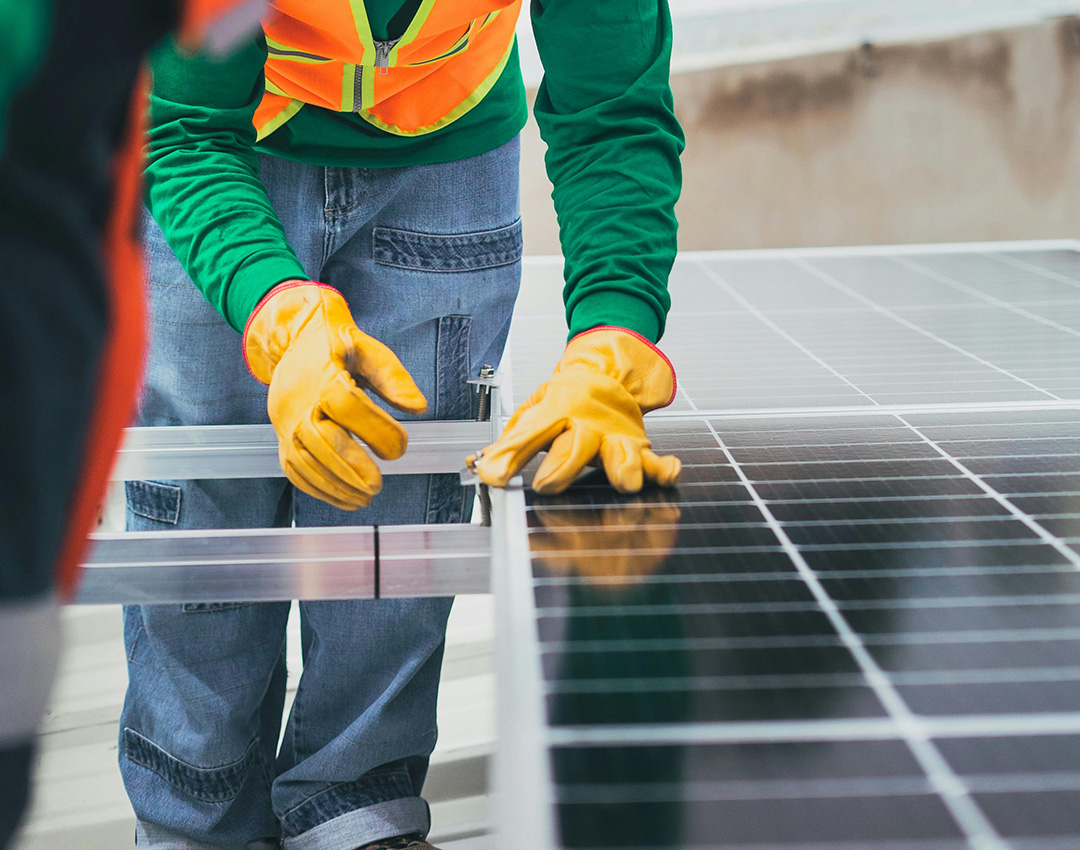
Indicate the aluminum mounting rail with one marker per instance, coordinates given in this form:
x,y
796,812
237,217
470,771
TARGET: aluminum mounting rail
x,y
259,565
267,564
251,451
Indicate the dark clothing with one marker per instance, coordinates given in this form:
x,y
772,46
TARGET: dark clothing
x,y
55,196
14,787
64,128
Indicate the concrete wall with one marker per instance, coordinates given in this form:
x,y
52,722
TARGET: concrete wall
x,y
972,138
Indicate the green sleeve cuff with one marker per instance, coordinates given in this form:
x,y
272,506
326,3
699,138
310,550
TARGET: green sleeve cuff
x,y
251,283
620,309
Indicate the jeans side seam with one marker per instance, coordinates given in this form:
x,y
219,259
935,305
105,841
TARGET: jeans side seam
x,y
374,774
328,221
297,719
139,634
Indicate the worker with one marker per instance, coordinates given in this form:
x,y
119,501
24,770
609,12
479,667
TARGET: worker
x,y
71,299
334,244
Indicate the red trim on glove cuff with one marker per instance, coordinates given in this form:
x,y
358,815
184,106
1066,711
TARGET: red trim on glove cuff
x,y
281,287
648,342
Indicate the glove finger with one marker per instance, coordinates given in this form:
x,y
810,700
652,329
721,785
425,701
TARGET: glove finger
x,y
663,471
324,480
350,407
504,458
569,453
382,372
334,448
301,483
621,457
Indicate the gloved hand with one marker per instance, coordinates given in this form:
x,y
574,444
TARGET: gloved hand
x,y
302,341
591,408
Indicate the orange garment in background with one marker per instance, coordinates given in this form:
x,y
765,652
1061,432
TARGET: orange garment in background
x,y
216,23
125,345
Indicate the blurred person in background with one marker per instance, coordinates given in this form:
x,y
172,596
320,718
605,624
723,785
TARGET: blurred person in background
x,y
71,304
335,213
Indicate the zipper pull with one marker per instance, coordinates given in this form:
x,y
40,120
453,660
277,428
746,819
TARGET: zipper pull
x,y
382,55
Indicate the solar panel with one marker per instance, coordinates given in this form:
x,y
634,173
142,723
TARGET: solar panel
x,y
799,329
855,622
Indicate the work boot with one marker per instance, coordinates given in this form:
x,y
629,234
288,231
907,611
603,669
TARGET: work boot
x,y
402,842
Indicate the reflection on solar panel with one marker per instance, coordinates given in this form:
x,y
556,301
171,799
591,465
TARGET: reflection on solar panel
x,y
855,624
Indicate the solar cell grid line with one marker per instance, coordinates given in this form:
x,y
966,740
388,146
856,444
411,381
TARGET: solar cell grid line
x,y
1023,265
797,731
1038,529
833,281
777,329
1068,248
1011,341
908,262
974,823
779,412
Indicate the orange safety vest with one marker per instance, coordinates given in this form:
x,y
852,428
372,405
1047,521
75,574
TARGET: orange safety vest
x,y
322,53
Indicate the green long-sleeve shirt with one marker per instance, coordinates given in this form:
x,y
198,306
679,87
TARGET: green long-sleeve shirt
x,y
604,108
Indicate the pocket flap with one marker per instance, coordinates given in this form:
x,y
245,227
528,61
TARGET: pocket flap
x,y
460,252
154,500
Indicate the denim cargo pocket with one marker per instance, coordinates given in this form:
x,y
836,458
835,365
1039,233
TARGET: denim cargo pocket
x,y
452,387
448,501
450,252
154,500
207,784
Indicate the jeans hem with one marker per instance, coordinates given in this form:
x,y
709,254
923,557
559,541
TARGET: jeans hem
x,y
150,835
354,829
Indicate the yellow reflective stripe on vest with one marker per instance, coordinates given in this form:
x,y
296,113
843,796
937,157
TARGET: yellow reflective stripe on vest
x,y
478,95
278,120
363,28
461,44
270,87
418,21
348,85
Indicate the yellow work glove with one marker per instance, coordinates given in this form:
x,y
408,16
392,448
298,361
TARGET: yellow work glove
x,y
302,341
589,412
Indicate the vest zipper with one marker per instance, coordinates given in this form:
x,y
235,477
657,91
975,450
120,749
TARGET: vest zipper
x,y
382,54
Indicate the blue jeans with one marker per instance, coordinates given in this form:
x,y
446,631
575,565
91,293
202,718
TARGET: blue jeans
x,y
428,257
